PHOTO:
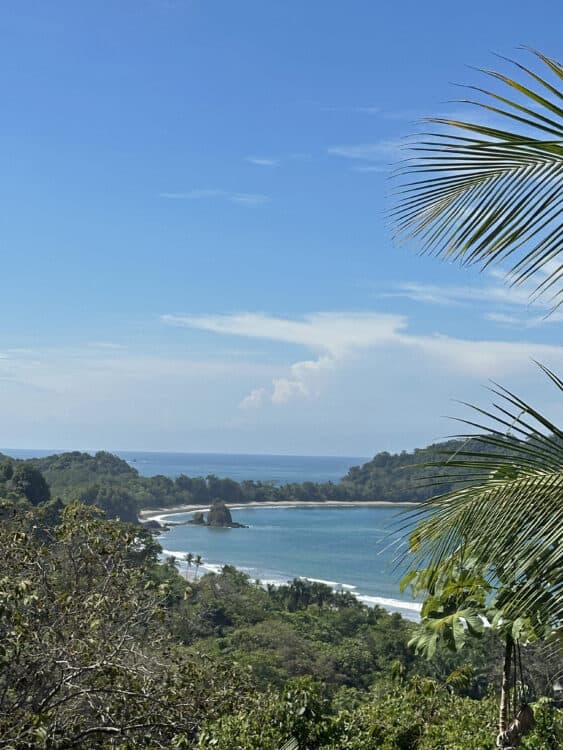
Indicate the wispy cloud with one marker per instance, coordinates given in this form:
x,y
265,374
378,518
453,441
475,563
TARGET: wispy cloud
x,y
302,382
380,156
248,199
459,294
519,321
369,151
87,397
329,332
333,336
515,306
338,338
261,161
242,199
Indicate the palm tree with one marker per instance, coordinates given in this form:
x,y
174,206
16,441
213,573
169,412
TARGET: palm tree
x,y
197,562
491,547
506,508
189,558
482,194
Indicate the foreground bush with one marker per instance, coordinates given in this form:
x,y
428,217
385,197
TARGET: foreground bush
x,y
85,658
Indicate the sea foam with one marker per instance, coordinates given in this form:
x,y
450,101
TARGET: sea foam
x,y
408,609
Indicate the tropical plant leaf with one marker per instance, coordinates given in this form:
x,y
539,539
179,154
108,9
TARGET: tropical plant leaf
x,y
507,517
290,745
484,194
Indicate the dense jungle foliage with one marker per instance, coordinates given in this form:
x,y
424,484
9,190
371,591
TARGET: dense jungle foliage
x,y
114,485
104,646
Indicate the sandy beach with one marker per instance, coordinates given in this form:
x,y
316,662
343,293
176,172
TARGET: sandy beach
x,y
160,513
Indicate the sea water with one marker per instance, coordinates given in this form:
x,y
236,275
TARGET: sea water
x,y
237,466
350,548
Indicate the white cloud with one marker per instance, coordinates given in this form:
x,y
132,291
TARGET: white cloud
x,y
304,381
330,332
515,321
483,359
334,336
341,338
456,294
242,199
516,305
389,150
248,199
260,161
86,397
255,399
503,319
363,382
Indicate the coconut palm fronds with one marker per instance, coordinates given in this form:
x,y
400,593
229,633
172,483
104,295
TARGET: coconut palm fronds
x,y
507,514
489,193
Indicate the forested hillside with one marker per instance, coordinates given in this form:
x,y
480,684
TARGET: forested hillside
x,y
142,658
402,476
113,484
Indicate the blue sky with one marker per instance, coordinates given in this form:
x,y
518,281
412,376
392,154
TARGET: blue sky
x,y
194,247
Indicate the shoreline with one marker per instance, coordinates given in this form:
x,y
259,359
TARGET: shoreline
x,y
406,608
155,514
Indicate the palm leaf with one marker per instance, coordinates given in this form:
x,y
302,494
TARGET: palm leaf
x,y
507,513
482,194
290,745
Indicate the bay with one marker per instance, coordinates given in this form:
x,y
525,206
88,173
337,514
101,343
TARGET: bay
x,y
350,548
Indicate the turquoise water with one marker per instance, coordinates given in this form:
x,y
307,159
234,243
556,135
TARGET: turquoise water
x,y
353,548
349,548
280,469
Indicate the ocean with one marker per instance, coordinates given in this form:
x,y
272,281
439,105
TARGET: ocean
x,y
280,469
350,548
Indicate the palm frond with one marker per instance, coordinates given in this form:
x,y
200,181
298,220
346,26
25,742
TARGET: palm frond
x,y
507,515
483,194
290,745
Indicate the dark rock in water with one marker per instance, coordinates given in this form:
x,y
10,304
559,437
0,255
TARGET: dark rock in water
x,y
219,516
155,527
198,519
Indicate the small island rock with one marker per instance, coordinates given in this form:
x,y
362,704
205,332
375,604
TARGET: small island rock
x,y
219,516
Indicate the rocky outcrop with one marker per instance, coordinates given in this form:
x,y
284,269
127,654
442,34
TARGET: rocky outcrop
x,y
155,527
218,516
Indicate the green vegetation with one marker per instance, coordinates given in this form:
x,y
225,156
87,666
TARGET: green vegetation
x,y
491,545
113,485
105,647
